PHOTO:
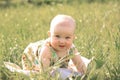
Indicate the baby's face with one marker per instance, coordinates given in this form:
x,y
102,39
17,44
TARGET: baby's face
x,y
62,36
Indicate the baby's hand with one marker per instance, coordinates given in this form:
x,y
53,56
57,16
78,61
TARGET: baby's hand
x,y
36,68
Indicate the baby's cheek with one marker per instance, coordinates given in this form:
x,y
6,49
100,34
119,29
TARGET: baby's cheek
x,y
69,45
54,43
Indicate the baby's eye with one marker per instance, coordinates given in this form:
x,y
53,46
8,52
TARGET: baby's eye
x,y
57,36
67,37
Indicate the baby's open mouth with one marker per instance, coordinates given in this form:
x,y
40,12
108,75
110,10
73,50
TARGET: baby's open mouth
x,y
61,46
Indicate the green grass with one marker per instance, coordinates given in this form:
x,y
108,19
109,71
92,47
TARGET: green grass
x,y
98,35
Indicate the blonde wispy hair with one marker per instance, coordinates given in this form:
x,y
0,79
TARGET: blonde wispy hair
x,y
61,18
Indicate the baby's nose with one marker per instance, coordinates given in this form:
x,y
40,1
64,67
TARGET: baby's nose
x,y
62,40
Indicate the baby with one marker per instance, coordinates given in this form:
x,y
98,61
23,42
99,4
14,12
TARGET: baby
x,y
58,47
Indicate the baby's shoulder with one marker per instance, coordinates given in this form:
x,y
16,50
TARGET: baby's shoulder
x,y
45,50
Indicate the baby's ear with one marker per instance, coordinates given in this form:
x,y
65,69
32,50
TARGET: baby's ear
x,y
48,33
75,37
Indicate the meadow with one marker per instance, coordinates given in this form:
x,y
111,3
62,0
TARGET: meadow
x,y
98,35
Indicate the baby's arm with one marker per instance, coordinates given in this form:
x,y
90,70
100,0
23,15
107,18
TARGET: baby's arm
x,y
44,57
79,63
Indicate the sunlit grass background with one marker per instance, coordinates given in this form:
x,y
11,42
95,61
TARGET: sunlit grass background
x,y
98,35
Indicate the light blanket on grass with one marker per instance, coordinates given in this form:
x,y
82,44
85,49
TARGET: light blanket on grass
x,y
15,68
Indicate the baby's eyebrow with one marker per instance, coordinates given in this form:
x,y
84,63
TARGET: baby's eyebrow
x,y
70,35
